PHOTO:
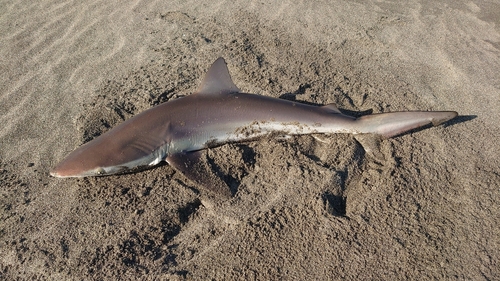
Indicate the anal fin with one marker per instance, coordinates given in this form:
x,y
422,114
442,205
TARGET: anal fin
x,y
196,168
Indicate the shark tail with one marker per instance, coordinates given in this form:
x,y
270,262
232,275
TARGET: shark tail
x,y
396,123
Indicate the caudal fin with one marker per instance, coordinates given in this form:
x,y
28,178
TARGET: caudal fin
x,y
395,123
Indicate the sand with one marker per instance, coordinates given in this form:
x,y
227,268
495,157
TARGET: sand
x,y
306,208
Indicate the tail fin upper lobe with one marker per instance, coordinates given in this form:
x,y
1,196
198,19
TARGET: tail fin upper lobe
x,y
395,123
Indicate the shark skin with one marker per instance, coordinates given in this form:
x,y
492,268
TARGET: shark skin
x,y
218,113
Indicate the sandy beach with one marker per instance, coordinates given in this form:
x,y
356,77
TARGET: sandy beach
x,y
425,207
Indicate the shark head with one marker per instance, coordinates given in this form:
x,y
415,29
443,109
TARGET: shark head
x,y
88,160
108,154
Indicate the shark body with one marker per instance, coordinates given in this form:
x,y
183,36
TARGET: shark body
x,y
216,114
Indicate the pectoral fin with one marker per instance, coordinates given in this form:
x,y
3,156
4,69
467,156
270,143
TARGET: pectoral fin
x,y
194,166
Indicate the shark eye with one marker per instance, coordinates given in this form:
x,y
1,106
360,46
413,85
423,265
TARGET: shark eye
x,y
100,171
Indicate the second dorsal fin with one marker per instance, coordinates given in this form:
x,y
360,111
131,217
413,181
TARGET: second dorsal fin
x,y
331,107
217,80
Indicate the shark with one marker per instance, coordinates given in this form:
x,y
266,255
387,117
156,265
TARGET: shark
x,y
218,113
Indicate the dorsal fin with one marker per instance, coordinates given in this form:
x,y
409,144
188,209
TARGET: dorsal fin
x,y
332,108
217,80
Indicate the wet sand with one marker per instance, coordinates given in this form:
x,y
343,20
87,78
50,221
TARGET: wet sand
x,y
306,208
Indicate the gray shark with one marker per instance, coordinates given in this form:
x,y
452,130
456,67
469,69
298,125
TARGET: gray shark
x,y
218,113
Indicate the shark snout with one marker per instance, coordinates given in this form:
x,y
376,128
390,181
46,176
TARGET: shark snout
x,y
57,173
